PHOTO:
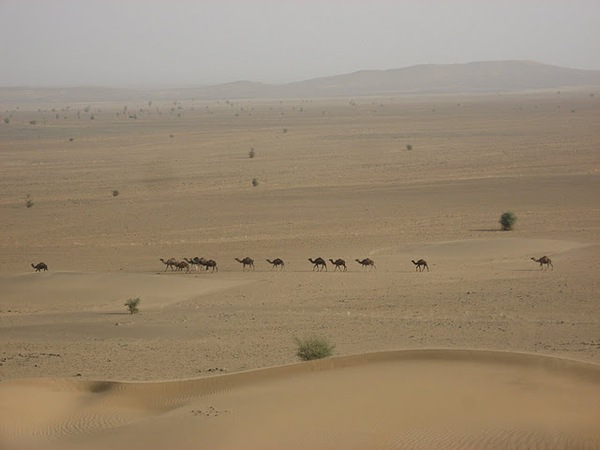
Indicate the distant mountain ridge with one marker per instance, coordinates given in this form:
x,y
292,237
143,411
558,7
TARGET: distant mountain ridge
x,y
482,76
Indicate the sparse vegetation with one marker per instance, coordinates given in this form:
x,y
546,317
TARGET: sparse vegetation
x,y
409,147
28,201
6,120
313,347
251,153
285,130
508,220
115,193
132,305
254,182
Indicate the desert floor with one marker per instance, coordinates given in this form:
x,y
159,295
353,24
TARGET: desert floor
x,y
335,179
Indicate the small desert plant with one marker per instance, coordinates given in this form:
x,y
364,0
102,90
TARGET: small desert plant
x,y
6,120
507,220
409,147
28,201
313,347
251,153
115,193
254,182
285,130
132,305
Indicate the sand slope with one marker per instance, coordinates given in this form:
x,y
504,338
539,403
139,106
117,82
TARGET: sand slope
x,y
75,291
411,399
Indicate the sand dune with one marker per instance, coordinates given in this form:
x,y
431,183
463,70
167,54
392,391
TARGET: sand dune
x,y
77,291
515,248
427,398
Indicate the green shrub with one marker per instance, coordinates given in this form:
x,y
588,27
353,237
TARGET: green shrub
x,y
313,347
254,182
507,221
116,193
132,305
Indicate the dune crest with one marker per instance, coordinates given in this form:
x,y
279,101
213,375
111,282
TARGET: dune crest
x,y
421,398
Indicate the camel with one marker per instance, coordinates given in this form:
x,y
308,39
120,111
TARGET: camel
x,y
206,263
544,260
246,262
182,265
212,264
276,262
366,263
171,262
193,263
339,263
40,266
319,262
198,261
420,265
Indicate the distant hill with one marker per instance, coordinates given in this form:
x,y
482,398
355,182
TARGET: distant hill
x,y
485,76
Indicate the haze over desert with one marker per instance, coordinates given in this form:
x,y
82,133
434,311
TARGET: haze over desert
x,y
484,348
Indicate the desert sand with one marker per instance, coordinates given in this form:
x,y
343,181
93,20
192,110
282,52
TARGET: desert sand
x,y
484,350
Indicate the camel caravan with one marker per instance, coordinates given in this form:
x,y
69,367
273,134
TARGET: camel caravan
x,y
319,264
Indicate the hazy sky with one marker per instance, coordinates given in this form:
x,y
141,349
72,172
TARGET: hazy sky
x,y
169,42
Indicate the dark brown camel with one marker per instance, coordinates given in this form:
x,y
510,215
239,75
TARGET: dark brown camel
x,y
193,263
180,265
199,261
212,264
205,263
319,262
246,262
40,266
366,263
276,262
544,260
171,262
420,265
339,263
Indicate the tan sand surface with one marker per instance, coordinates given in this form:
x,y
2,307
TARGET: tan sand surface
x,y
335,180
411,399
